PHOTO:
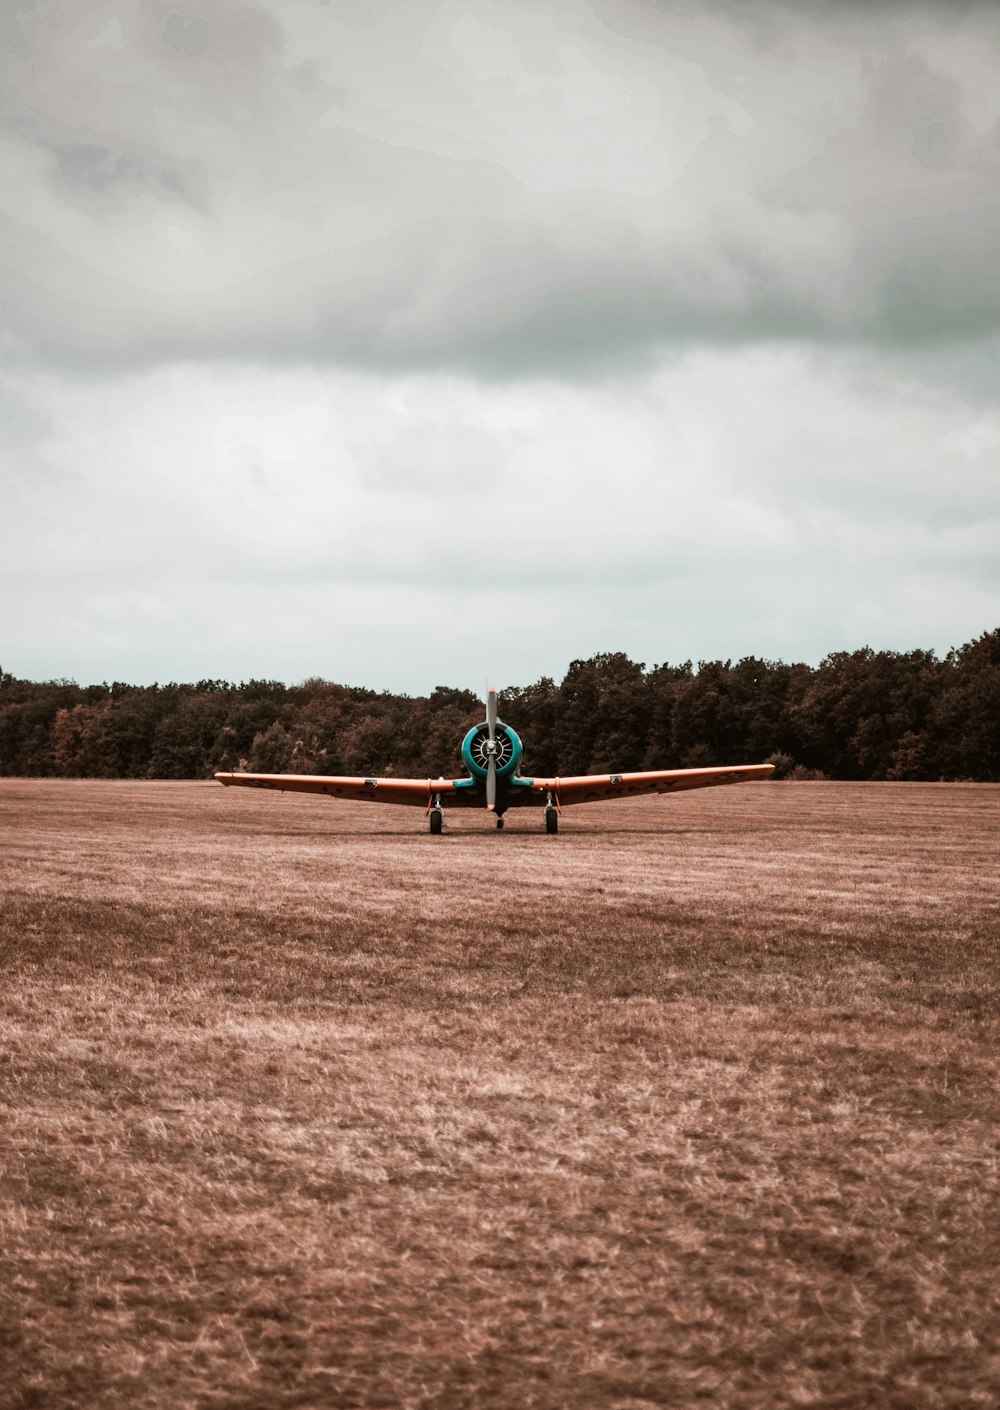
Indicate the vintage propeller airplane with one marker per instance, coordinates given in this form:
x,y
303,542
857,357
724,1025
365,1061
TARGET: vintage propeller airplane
x,y
492,752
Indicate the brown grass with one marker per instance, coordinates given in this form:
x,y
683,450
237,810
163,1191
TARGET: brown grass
x,y
691,1105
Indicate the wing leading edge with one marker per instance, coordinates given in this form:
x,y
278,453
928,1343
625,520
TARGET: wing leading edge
x,y
590,788
415,792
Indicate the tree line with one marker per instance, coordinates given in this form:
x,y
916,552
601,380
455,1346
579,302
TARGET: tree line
x,y
857,715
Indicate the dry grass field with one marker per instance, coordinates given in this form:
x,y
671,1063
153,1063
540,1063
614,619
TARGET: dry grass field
x,y
694,1104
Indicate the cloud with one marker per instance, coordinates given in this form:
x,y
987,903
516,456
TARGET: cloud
x,y
410,530
409,342
495,188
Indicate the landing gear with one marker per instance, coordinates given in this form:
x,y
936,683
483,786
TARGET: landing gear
x,y
436,821
551,821
499,824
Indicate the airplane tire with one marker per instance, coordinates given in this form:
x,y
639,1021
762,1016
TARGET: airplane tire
x,y
499,824
437,821
551,821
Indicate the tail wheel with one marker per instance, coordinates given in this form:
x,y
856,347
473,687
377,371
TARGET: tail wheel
x,y
499,824
437,821
551,821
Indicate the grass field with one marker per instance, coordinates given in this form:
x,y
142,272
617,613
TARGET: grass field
x,y
694,1104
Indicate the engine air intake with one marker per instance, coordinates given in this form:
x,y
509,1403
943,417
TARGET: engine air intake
x,y
506,749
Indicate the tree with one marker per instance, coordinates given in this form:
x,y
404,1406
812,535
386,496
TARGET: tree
x,y
602,715
271,750
859,714
532,711
965,720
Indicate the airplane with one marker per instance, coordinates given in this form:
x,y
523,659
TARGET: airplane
x,y
492,752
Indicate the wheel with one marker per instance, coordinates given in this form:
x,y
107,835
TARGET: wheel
x,y
437,821
499,824
551,821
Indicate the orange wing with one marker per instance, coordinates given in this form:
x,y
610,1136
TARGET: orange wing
x,y
417,792
591,787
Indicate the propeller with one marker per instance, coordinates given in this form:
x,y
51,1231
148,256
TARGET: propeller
x,y
491,748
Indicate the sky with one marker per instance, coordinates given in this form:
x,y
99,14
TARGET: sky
x,y
419,342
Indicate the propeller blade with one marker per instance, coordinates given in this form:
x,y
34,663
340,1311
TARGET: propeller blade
x,y
491,712
491,783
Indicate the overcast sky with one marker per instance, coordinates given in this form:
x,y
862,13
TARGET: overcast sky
x,y
407,342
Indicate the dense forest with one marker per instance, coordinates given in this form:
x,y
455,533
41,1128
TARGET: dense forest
x,y
857,715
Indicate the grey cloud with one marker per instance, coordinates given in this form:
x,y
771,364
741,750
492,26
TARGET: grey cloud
x,y
502,188
765,498
191,34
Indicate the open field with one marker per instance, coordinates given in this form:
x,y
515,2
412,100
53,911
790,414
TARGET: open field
x,y
691,1105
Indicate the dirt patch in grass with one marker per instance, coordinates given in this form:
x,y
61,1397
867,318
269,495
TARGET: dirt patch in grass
x,y
692,1105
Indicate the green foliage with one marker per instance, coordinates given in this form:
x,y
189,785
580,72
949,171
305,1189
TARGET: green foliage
x,y
858,715
271,751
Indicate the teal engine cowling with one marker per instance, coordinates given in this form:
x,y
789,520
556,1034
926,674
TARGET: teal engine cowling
x,y
508,751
